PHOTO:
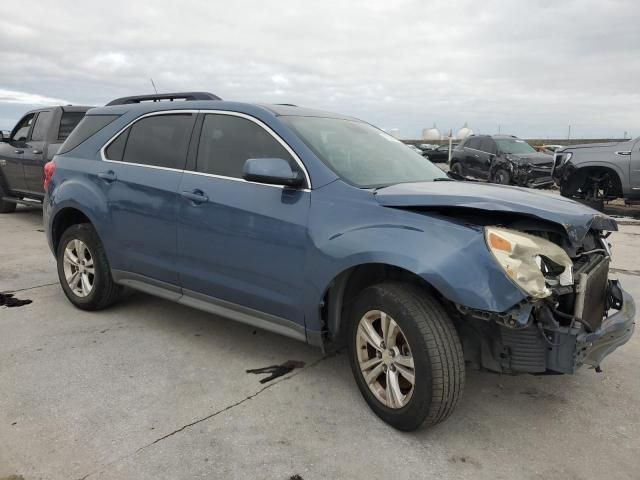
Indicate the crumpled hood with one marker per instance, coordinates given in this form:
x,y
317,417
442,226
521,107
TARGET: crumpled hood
x,y
536,158
574,217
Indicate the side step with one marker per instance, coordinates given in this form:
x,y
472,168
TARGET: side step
x,y
23,201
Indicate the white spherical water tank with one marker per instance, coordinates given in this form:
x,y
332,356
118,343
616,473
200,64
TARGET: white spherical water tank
x,y
431,133
464,132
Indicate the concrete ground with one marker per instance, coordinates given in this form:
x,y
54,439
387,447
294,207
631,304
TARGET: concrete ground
x,y
149,389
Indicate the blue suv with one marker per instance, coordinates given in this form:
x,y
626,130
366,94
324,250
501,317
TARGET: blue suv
x,y
328,230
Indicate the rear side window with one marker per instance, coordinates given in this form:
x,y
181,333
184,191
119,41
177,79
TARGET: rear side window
x,y
227,142
159,141
40,128
88,126
473,143
488,145
68,122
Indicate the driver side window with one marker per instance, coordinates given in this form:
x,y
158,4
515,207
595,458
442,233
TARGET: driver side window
x,y
21,132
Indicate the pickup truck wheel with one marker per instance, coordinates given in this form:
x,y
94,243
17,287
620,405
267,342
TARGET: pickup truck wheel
x,y
83,269
405,355
5,207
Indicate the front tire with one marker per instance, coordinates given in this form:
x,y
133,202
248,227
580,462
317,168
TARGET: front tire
x,y
502,177
405,355
83,269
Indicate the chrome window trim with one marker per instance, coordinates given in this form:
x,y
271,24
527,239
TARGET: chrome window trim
x,y
258,122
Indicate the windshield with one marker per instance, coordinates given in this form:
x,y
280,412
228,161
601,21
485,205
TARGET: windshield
x,y
361,154
514,145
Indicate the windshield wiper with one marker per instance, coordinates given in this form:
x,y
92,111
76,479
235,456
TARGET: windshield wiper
x,y
443,179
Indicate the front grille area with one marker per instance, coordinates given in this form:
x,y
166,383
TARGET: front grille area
x,y
525,350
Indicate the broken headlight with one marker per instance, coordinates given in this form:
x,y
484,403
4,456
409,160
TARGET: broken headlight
x,y
533,263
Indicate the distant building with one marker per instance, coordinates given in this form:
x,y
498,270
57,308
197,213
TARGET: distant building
x,y
464,132
395,133
431,133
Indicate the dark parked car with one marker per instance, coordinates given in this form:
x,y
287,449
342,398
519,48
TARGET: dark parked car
x,y
503,159
596,172
325,229
440,154
23,152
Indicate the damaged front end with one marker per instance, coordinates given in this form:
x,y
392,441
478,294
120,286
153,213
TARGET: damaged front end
x,y
529,174
564,322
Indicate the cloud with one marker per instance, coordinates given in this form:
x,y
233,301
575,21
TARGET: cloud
x,y
531,67
12,96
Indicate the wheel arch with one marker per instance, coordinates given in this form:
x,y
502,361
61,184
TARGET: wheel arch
x,y
584,169
63,219
346,285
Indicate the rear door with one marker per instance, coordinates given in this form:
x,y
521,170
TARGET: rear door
x,y
471,154
12,154
487,148
142,169
242,242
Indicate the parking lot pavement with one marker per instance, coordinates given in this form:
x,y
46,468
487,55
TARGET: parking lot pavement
x,y
149,389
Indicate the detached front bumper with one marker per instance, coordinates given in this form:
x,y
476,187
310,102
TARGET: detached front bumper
x,y
615,331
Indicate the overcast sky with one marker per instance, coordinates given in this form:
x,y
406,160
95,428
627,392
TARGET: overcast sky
x,y
532,67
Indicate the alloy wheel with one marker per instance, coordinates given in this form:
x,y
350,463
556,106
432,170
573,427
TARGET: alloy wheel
x,y
385,359
79,271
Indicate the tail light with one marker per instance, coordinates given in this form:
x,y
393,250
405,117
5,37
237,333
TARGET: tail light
x,y
49,170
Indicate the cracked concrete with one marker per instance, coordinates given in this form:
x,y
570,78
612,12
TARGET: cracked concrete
x,y
149,389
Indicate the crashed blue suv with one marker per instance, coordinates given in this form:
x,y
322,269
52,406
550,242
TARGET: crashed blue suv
x,y
326,229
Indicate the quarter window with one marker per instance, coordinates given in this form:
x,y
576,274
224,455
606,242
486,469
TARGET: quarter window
x,y
40,128
160,141
227,142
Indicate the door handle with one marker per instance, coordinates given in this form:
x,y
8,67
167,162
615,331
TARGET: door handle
x,y
197,196
108,177
476,155
36,152
18,152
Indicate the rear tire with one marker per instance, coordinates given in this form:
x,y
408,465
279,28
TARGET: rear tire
x,y
83,269
457,168
5,207
426,335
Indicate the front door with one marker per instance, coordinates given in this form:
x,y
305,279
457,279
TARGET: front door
x,y
12,154
34,153
140,178
242,242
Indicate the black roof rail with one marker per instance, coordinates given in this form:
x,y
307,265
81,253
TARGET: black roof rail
x,y
158,97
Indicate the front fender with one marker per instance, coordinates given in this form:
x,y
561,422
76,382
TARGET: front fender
x,y
451,257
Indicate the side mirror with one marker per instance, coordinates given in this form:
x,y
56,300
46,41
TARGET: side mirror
x,y
5,135
274,171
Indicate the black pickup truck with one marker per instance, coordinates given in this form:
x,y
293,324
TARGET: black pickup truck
x,y
34,141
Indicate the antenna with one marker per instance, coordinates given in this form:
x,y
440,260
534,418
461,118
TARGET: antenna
x,y
154,86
